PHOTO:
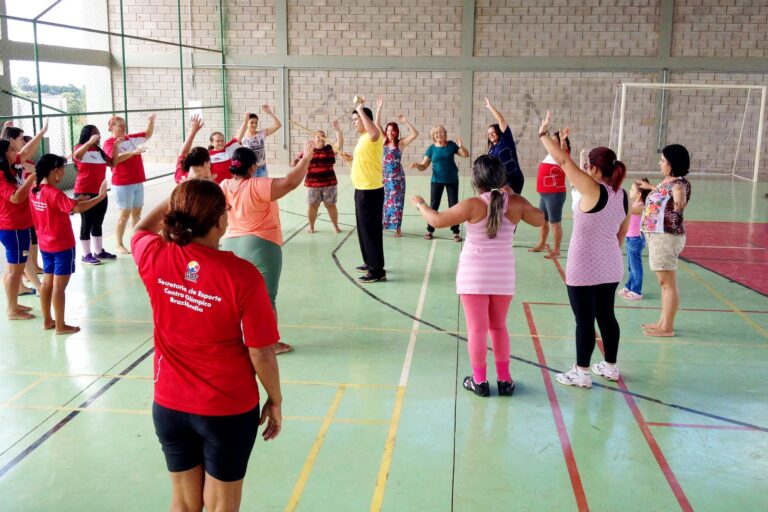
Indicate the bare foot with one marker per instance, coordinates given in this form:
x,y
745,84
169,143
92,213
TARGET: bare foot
x,y
538,248
337,229
122,250
552,255
68,329
20,315
398,233
23,309
47,326
658,333
650,326
282,348
310,229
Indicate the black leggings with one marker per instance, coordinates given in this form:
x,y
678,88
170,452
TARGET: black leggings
x,y
590,303
436,196
91,220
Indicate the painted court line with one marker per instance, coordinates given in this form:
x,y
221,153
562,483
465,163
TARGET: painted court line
x,y
562,432
309,463
656,450
698,426
757,327
26,390
389,445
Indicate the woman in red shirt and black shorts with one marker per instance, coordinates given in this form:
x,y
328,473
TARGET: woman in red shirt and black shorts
x,y
214,331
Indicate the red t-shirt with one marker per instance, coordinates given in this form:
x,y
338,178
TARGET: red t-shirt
x,y
13,216
222,160
320,172
91,171
551,177
180,175
131,171
50,212
208,307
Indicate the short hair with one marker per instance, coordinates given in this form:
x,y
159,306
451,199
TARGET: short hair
x,y
679,159
436,128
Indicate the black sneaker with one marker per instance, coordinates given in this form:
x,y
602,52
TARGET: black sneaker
x,y
370,278
506,387
482,389
362,269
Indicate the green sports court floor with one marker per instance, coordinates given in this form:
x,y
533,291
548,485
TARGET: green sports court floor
x,y
375,417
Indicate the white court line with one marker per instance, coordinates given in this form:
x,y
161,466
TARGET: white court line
x,y
414,330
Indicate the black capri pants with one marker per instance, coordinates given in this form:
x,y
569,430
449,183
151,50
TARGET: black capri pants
x,y
92,220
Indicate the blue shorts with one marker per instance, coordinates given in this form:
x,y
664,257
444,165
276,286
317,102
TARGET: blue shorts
x,y
261,172
16,243
129,197
552,206
60,263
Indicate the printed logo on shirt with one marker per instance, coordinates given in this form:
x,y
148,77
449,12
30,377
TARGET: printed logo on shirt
x,y
193,269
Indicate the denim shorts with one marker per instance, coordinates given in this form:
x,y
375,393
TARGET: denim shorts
x,y
552,206
129,196
60,263
16,243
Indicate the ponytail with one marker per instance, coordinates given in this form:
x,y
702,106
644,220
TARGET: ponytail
x,y
495,213
197,157
242,161
179,228
619,172
45,166
611,170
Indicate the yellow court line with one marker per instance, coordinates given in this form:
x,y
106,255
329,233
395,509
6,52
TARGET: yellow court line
x,y
26,390
298,489
725,301
389,448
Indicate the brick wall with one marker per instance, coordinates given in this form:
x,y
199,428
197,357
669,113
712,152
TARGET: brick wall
x,y
426,98
557,28
720,28
412,28
583,101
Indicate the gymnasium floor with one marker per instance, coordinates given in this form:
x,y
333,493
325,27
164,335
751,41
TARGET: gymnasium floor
x,y
374,414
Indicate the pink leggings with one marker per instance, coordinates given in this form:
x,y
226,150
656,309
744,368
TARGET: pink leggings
x,y
487,314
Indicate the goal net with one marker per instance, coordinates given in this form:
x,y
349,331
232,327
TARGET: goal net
x,y
721,125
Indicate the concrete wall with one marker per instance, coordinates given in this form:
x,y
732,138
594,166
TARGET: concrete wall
x,y
436,63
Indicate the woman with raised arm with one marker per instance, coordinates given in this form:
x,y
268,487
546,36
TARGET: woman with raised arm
x,y
393,174
214,331
16,223
321,180
550,184
251,137
595,264
91,162
128,173
485,278
662,224
253,231
445,173
193,163
501,145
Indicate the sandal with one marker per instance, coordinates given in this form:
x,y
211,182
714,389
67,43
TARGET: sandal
x,y
428,236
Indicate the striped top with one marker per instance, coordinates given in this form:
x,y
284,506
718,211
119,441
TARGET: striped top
x,y
594,255
487,265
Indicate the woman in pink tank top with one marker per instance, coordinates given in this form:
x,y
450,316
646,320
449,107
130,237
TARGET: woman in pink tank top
x,y
485,278
594,267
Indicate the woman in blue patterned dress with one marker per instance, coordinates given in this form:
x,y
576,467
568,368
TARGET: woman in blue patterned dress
x,y
394,176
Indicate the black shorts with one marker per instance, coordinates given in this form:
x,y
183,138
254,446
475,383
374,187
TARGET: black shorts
x,y
222,444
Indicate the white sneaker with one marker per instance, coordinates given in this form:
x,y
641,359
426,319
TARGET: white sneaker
x,y
602,369
630,295
574,377
621,292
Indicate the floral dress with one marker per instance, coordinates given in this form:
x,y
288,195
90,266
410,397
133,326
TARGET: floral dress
x,y
394,188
